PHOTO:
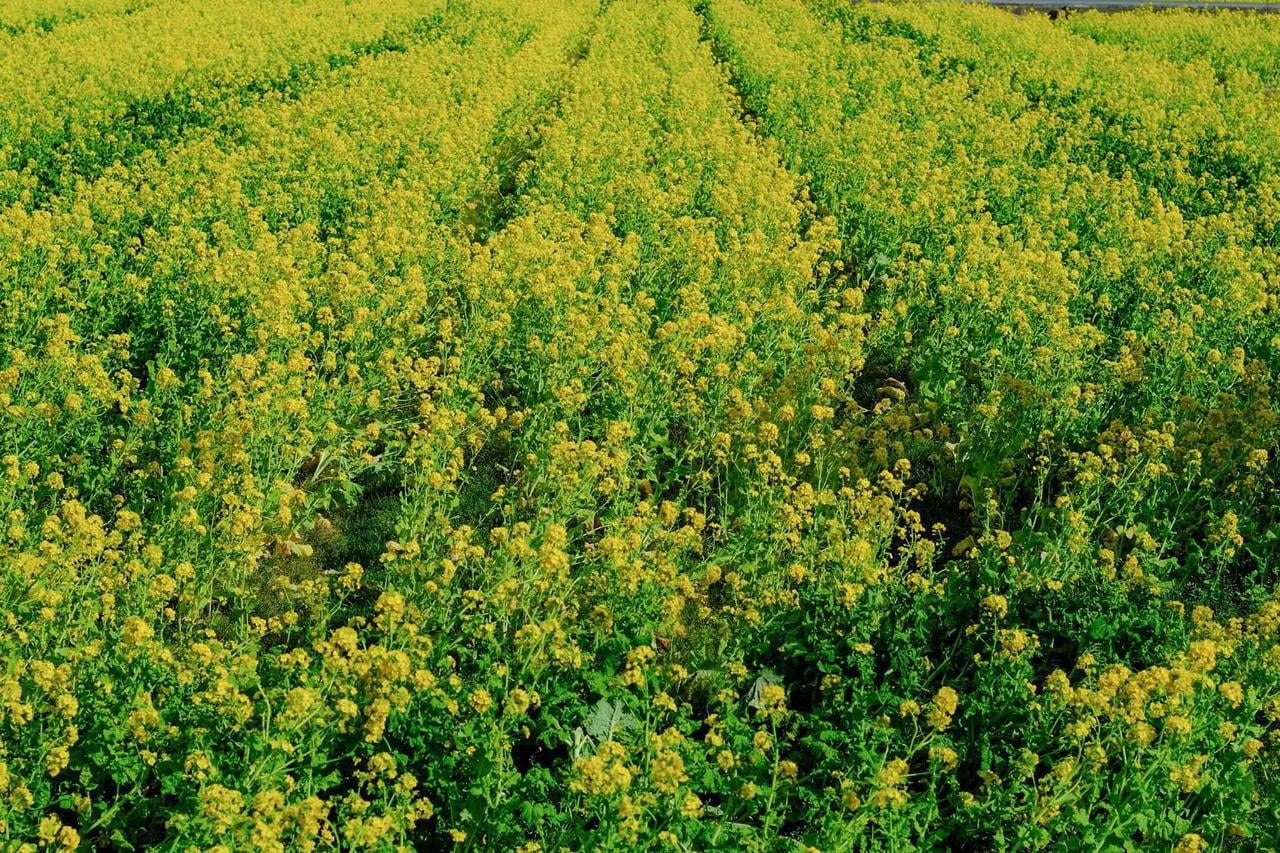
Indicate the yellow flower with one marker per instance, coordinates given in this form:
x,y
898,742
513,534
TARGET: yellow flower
x,y
480,700
995,605
1191,843
1232,692
667,770
762,741
944,755
603,773
136,632
945,703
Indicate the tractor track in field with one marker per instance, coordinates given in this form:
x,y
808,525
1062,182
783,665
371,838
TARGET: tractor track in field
x,y
48,23
490,213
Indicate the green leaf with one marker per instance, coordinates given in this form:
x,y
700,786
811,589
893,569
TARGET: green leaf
x,y
606,718
766,678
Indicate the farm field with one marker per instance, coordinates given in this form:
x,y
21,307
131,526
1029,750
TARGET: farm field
x,y
563,425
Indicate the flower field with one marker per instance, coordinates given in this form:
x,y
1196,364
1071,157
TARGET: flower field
x,y
541,425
